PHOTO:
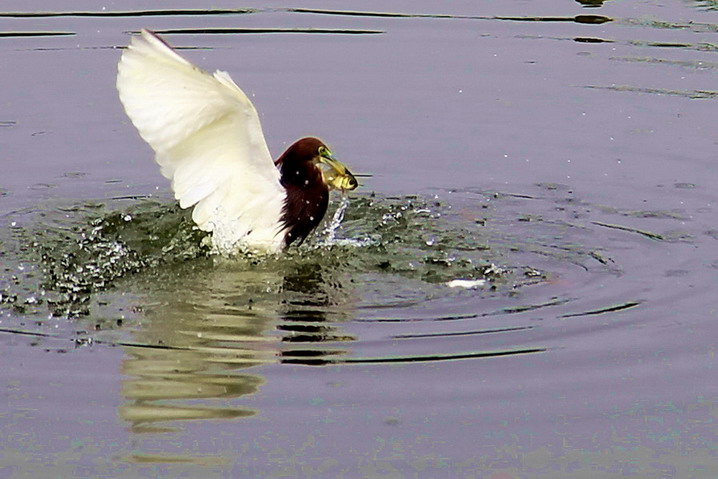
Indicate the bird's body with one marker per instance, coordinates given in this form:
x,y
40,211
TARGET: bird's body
x,y
209,142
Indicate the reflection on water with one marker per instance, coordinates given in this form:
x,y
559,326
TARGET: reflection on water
x,y
203,330
202,326
206,325
203,360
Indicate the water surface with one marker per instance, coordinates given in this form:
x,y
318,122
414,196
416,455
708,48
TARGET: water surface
x,y
523,286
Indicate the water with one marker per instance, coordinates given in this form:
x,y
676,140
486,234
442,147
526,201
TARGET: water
x,y
522,287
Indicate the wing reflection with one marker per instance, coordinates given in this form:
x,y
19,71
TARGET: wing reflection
x,y
198,348
205,361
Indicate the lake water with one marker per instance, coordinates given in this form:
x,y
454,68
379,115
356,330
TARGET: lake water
x,y
522,287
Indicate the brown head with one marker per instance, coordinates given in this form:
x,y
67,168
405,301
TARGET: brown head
x,y
308,171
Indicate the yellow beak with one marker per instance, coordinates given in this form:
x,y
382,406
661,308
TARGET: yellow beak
x,y
337,176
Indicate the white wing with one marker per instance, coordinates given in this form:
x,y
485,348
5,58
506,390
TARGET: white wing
x,y
208,141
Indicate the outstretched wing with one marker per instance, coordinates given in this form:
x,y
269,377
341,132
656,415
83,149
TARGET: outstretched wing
x,y
208,140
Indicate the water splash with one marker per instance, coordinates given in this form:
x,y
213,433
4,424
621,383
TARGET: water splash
x,y
414,242
330,232
327,238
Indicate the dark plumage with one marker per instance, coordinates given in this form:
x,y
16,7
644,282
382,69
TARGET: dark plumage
x,y
307,191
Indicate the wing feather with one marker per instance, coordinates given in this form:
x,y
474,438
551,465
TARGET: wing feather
x,y
208,141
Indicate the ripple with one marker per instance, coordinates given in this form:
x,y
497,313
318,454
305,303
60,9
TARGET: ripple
x,y
234,31
130,13
372,287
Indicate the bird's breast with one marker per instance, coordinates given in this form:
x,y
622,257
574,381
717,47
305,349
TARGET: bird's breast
x,y
304,209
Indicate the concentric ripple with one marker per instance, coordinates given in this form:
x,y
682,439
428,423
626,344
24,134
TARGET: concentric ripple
x,y
449,277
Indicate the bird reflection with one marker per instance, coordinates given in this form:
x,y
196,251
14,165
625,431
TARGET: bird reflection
x,y
310,291
198,355
198,349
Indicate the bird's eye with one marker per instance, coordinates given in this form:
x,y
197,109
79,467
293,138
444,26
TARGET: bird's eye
x,y
324,151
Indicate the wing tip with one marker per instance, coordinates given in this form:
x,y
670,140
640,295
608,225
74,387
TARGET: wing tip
x,y
149,43
151,37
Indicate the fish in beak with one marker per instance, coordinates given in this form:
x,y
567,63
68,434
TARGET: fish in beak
x,y
336,175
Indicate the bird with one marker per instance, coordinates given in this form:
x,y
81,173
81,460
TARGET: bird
x,y
208,141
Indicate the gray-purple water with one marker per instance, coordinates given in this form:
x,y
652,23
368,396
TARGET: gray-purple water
x,y
524,286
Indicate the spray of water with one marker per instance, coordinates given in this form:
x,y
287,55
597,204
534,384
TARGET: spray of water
x,y
330,231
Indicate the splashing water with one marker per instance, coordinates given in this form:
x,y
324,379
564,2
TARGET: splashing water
x,y
328,236
417,243
330,231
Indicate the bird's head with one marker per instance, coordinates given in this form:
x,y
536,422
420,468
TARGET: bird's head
x,y
309,160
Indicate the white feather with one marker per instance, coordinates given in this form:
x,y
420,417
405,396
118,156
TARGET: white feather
x,y
208,141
